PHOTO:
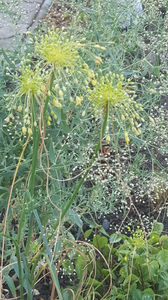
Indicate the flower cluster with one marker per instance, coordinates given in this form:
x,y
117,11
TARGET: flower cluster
x,y
58,49
31,81
138,238
112,90
31,88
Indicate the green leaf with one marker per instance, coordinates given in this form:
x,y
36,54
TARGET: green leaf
x,y
154,238
124,271
75,218
103,231
94,282
49,256
99,241
114,238
131,278
164,241
163,282
136,295
148,294
27,279
154,268
80,264
163,258
67,295
68,267
10,283
157,227
87,233
11,64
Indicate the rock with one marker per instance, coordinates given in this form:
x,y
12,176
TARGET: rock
x,y
106,224
129,11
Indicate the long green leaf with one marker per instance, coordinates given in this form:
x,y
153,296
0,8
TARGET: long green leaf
x,y
27,278
10,283
49,259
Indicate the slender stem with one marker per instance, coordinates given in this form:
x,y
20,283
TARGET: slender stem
x,y
79,184
37,133
36,140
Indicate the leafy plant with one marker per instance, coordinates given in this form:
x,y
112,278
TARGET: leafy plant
x,y
138,264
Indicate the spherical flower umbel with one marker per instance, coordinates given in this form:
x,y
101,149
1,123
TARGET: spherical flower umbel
x,y
31,81
55,47
109,89
118,94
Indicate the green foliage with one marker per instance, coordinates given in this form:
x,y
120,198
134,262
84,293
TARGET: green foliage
x,y
138,265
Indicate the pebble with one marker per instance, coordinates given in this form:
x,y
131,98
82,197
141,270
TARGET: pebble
x,y
106,224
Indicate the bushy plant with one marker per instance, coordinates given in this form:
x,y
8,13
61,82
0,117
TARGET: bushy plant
x,y
122,267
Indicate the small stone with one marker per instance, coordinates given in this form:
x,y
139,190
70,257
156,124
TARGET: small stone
x,y
106,224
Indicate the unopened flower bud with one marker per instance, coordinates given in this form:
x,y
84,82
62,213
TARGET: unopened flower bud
x,y
19,108
24,130
127,140
29,131
108,139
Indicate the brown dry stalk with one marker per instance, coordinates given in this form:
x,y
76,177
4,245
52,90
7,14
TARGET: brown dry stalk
x,y
7,210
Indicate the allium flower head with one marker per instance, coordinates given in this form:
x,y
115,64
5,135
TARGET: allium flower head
x,y
112,90
109,89
56,48
31,82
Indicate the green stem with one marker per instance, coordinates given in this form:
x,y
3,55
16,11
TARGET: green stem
x,y
79,184
20,271
36,140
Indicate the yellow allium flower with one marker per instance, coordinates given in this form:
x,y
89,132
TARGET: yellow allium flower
x,y
31,81
113,91
56,48
109,89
